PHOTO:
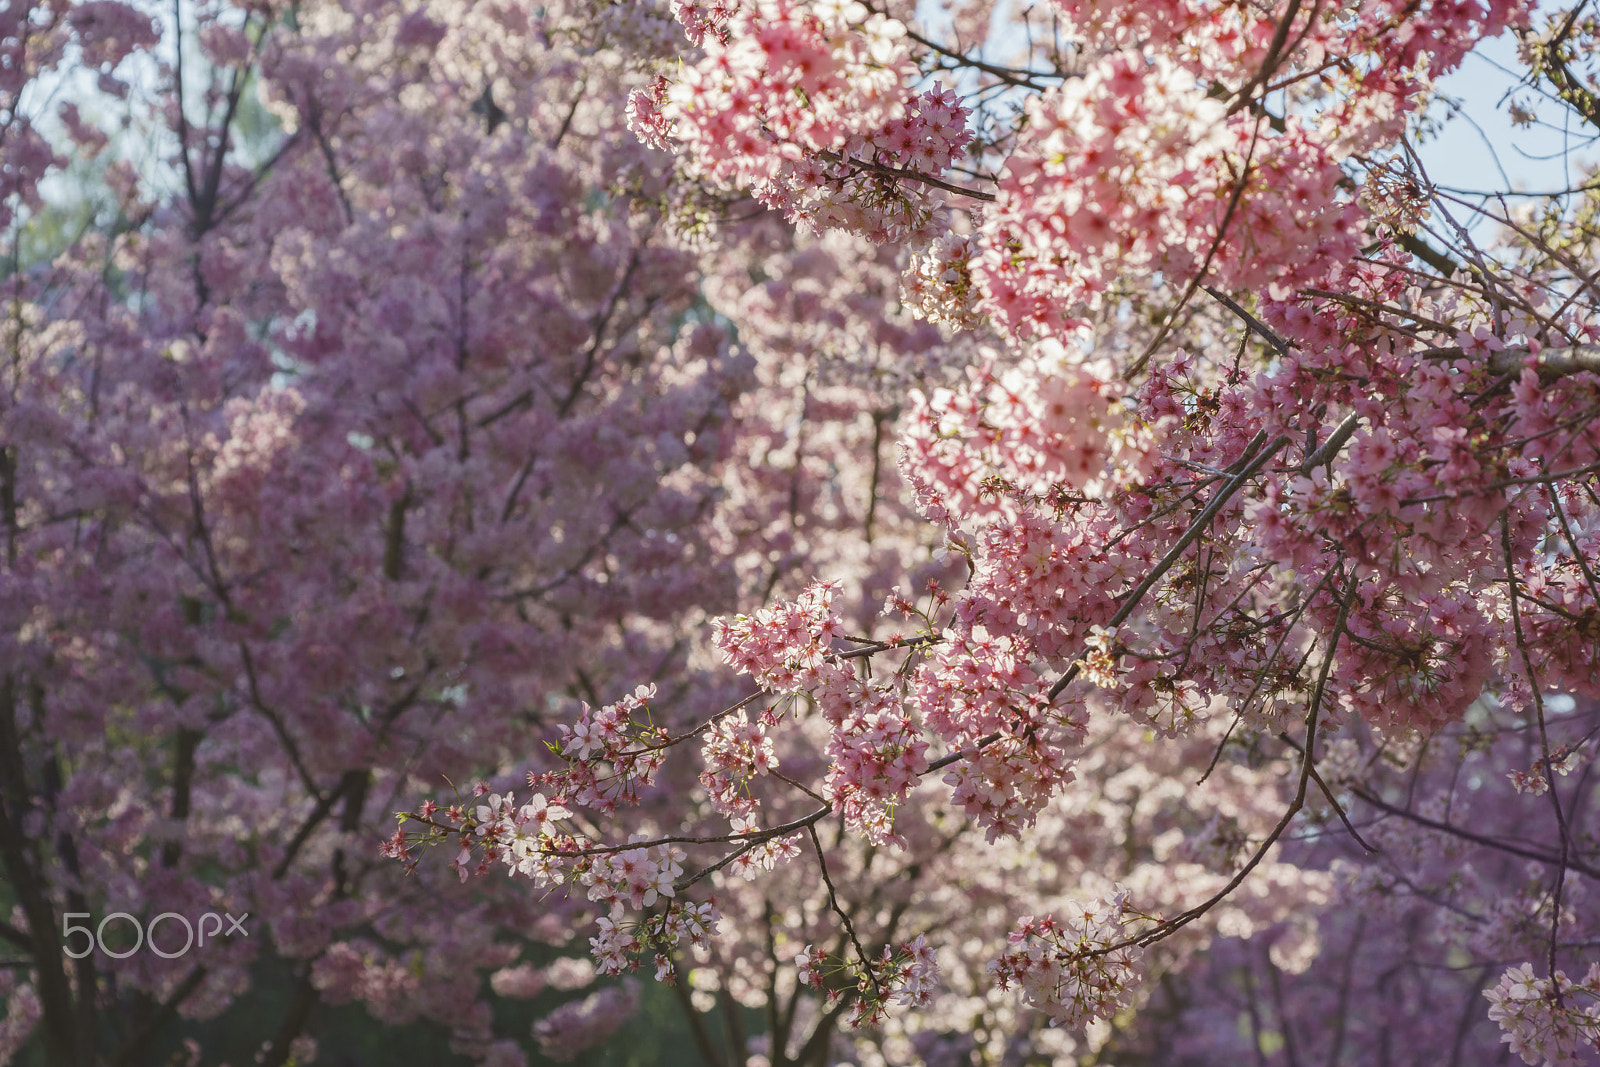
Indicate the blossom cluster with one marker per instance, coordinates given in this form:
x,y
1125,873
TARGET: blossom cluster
x,y
1130,169
1077,969
929,138
806,105
613,752
1563,761
1553,1021
734,752
937,285
783,646
875,752
906,975
762,852
1050,428
619,945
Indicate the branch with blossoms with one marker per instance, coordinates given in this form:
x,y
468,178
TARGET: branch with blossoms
x,y
789,649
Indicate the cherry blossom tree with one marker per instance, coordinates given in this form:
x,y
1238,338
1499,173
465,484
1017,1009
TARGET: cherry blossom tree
x,y
330,469
948,535
1268,450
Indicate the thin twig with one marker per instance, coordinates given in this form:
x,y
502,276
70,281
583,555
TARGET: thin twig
x,y
849,927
